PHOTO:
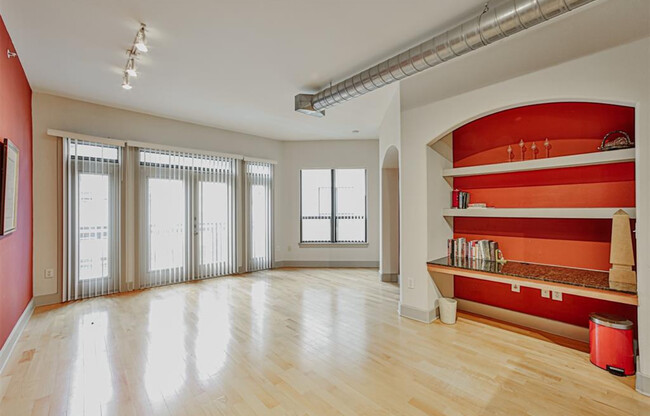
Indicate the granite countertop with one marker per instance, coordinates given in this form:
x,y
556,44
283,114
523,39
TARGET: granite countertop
x,y
576,277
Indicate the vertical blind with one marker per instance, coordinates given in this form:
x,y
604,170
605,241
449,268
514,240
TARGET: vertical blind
x,y
186,213
259,189
92,205
182,209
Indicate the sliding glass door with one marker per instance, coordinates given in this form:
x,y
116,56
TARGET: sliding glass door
x,y
187,211
93,222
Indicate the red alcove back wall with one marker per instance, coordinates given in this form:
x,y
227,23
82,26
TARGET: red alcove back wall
x,y
572,128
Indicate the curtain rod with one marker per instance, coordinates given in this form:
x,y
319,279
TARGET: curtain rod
x,y
85,137
154,146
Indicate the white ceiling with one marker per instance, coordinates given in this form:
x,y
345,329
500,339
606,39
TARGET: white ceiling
x,y
231,64
601,25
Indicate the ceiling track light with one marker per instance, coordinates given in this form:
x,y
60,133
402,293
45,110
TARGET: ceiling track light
x,y
130,66
125,82
139,46
141,39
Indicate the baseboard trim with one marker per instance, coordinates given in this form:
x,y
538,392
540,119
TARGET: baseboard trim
x,y
12,340
643,384
389,277
321,263
417,314
44,300
535,322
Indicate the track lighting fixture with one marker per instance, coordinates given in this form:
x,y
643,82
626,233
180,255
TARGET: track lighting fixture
x,y
130,67
139,46
125,82
141,39
11,54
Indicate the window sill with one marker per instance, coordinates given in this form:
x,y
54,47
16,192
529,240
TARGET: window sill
x,y
332,245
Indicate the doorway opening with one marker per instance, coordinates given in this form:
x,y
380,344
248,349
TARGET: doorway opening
x,y
389,268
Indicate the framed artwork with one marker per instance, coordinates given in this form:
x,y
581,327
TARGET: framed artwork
x,y
9,158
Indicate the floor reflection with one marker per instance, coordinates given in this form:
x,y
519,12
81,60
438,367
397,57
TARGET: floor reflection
x,y
166,365
92,380
213,334
258,307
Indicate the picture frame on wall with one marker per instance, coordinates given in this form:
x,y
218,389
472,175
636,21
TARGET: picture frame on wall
x,y
9,162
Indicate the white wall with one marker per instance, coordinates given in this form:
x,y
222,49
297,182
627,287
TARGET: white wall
x,y
326,154
618,75
52,112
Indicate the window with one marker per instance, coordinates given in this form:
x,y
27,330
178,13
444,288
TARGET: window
x,y
259,179
333,206
93,206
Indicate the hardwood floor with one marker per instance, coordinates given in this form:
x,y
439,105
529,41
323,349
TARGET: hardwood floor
x,y
292,342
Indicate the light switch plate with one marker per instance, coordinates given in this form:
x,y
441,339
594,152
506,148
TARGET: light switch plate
x,y
49,273
556,295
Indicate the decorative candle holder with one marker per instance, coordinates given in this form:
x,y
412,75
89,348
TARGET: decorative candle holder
x,y
510,156
522,146
547,146
534,150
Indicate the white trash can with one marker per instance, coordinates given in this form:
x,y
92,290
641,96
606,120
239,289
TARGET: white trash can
x,y
447,310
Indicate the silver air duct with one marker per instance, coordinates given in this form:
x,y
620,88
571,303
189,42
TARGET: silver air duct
x,y
496,22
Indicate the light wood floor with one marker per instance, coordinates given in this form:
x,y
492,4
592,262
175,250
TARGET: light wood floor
x,y
291,342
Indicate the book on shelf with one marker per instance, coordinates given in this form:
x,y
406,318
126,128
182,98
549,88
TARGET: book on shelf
x,y
460,248
460,199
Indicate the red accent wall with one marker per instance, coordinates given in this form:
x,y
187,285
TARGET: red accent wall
x,y
572,128
16,248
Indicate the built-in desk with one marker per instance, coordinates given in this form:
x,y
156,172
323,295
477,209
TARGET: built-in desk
x,y
579,282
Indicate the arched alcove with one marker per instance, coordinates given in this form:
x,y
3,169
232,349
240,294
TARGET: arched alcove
x,y
573,128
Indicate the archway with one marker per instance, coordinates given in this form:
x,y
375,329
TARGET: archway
x,y
389,257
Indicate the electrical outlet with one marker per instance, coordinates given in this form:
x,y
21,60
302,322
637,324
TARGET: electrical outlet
x,y
515,287
49,273
546,293
411,283
556,295
289,248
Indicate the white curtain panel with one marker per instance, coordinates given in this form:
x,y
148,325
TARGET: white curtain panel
x,y
92,201
259,191
186,212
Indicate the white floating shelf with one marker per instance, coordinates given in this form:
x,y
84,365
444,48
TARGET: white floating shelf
x,y
586,159
536,212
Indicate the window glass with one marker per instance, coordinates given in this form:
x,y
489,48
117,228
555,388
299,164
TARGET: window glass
x,y
350,205
316,205
93,226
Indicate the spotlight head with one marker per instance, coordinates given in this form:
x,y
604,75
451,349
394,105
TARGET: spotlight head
x,y
141,40
125,82
130,67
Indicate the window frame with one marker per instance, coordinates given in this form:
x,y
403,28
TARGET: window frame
x,y
88,165
333,236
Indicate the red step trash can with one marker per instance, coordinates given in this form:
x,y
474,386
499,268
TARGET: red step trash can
x,y
611,343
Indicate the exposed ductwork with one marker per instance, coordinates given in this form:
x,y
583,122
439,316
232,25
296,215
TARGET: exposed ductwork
x,y
496,22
